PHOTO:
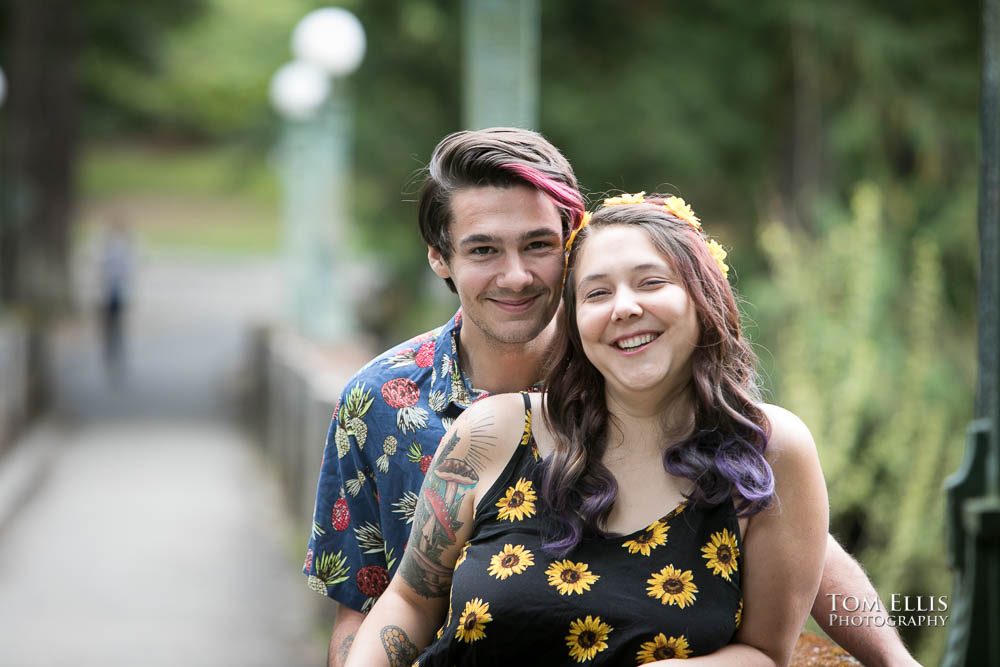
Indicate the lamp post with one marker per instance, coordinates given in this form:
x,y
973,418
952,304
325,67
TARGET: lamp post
x,y
501,62
310,94
4,237
973,493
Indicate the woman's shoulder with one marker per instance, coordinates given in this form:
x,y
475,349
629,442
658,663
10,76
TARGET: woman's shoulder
x,y
789,437
499,410
494,425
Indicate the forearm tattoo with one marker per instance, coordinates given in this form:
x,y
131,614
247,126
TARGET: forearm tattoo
x,y
453,474
345,648
398,647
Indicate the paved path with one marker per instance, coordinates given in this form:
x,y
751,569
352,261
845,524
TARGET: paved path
x,y
158,536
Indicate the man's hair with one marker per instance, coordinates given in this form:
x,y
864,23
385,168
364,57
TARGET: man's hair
x,y
499,157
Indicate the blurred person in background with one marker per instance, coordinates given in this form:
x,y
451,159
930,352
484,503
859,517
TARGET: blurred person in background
x,y
117,263
495,210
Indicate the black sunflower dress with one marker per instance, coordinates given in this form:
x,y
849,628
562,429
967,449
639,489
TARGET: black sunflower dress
x,y
670,590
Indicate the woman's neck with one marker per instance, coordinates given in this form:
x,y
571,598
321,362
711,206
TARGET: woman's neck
x,y
640,427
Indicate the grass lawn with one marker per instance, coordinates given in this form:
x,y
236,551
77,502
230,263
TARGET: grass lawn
x,y
205,200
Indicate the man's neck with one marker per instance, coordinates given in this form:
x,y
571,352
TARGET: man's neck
x,y
500,368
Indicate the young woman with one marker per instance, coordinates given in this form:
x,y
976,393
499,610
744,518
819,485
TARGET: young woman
x,y
645,507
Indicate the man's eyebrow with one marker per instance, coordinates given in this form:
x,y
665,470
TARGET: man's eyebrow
x,y
541,232
477,238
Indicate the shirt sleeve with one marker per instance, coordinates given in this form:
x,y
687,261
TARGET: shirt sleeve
x,y
341,561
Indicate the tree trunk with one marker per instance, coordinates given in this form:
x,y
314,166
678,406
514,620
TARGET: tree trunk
x,y
45,39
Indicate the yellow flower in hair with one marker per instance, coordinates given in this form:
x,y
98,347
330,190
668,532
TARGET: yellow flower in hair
x,y
719,254
679,208
621,200
584,221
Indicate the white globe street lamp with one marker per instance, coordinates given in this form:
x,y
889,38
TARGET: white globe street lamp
x,y
327,44
299,89
331,38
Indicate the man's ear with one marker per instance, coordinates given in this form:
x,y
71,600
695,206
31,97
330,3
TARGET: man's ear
x,y
438,263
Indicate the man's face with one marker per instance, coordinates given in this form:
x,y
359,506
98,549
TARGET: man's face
x,y
507,261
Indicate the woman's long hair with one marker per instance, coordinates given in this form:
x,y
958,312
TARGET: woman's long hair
x,y
724,453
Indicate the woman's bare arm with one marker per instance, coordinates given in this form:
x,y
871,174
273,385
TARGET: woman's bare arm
x,y
783,552
467,462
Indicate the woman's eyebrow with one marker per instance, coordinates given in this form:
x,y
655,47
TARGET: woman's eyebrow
x,y
638,268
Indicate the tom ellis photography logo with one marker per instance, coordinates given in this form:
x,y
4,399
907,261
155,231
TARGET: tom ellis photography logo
x,y
902,611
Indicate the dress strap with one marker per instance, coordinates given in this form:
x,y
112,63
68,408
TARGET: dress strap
x,y
526,435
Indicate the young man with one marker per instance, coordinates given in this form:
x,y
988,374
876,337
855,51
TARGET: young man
x,y
494,211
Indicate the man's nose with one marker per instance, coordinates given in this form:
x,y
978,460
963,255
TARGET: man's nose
x,y
515,275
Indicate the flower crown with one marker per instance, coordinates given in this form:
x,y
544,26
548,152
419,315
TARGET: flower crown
x,y
676,207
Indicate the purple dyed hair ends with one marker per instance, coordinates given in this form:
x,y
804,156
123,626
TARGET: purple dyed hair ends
x,y
723,455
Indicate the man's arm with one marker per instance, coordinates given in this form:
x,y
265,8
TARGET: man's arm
x,y
875,645
345,627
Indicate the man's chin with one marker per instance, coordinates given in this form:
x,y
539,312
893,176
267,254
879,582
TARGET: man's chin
x,y
519,333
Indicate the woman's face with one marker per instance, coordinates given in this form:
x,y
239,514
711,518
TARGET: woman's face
x,y
636,320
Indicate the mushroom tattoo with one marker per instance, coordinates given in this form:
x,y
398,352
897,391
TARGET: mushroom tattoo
x,y
455,473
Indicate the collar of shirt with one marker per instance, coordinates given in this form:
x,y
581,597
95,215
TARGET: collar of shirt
x,y
448,377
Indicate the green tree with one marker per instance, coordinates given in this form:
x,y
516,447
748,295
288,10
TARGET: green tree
x,y
46,43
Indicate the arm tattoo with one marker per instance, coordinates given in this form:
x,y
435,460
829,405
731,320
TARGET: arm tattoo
x,y
435,521
401,651
345,648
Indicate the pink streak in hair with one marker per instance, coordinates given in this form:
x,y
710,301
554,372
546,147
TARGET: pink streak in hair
x,y
561,194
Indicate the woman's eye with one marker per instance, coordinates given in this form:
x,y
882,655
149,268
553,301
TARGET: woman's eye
x,y
595,294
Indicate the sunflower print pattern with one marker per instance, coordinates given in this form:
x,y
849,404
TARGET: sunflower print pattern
x,y
662,647
472,622
511,560
568,577
672,586
632,599
587,637
462,555
721,553
518,503
653,536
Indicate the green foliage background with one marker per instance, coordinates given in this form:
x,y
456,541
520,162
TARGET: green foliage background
x,y
832,147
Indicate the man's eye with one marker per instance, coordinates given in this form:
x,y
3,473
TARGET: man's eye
x,y
540,245
481,250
